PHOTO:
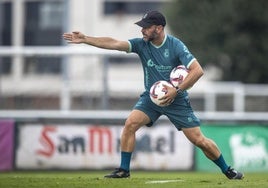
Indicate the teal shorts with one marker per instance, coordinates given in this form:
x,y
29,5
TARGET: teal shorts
x,y
179,112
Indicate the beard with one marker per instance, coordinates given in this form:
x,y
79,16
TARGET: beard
x,y
151,37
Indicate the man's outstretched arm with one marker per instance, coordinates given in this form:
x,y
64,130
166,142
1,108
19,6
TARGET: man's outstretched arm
x,y
77,37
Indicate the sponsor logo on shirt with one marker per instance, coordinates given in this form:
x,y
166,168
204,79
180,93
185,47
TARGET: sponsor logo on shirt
x,y
159,68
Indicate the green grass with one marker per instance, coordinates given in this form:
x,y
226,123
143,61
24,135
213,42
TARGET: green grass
x,y
138,180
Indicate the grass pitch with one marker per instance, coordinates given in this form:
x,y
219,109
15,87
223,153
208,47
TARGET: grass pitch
x,y
138,180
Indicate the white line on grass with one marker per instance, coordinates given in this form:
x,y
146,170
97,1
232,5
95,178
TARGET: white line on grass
x,y
162,181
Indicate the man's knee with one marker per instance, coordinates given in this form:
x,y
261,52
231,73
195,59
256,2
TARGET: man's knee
x,y
131,125
205,143
200,142
136,120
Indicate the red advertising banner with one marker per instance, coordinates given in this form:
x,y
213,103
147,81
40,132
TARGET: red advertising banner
x,y
98,147
6,144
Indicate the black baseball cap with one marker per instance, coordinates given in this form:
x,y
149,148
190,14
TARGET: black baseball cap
x,y
152,18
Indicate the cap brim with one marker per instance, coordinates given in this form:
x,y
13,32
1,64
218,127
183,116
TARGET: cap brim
x,y
143,24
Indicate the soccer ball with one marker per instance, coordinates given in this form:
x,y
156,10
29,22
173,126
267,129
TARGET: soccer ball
x,y
178,74
158,90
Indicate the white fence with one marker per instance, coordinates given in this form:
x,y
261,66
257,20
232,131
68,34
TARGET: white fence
x,y
207,90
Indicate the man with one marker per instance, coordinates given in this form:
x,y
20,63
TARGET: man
x,y
159,54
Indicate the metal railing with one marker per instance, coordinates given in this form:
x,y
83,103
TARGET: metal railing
x,y
209,91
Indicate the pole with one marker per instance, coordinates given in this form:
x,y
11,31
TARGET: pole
x,y
65,99
105,84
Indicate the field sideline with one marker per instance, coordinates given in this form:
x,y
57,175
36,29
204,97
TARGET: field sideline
x,y
51,179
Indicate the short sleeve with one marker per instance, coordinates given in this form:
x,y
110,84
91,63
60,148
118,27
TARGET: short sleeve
x,y
134,45
185,56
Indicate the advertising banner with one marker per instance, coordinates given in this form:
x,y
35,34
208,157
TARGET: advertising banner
x,y
245,147
98,147
6,144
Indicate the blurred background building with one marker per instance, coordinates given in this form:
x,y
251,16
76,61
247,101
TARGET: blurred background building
x,y
38,70
35,81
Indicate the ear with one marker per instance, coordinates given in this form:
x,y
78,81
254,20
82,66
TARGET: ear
x,y
159,28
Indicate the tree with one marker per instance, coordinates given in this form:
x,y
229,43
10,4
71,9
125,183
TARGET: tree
x,y
229,34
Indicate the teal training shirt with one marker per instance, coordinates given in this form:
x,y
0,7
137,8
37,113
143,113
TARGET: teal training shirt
x,y
158,61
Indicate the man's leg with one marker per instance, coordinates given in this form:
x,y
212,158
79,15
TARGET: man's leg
x,y
135,120
211,150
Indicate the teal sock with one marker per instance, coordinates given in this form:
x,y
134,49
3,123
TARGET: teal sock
x,y
220,162
125,160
